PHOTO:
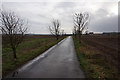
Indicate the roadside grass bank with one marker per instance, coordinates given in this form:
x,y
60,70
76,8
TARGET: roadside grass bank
x,y
93,63
30,48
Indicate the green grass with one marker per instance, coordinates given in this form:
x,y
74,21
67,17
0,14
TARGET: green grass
x,y
27,50
80,56
93,63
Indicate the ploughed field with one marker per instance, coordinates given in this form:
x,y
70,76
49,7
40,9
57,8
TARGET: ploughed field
x,y
106,43
32,46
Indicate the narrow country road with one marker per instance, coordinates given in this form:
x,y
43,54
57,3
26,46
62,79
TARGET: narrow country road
x,y
60,62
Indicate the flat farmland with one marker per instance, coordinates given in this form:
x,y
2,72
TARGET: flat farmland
x,y
106,43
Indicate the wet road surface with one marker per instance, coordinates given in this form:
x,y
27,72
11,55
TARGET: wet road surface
x,y
58,62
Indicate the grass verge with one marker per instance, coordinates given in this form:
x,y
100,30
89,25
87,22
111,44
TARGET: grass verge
x,y
93,63
26,51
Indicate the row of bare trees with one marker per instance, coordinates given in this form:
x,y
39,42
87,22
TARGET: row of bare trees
x,y
13,28
80,24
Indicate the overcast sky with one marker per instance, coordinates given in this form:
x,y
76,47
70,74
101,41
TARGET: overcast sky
x,y
103,15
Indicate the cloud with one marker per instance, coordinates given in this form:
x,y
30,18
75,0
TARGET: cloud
x,y
106,24
60,1
103,15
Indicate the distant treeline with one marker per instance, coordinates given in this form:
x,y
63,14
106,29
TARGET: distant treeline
x,y
105,33
48,34
111,33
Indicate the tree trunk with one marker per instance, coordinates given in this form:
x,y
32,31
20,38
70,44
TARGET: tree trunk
x,y
79,36
57,37
14,53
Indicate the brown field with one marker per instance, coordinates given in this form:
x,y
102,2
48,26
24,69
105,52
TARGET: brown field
x,y
107,44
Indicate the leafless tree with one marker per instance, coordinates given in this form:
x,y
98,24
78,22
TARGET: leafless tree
x,y
80,22
55,28
75,31
12,27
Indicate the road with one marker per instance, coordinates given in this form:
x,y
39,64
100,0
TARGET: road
x,y
60,62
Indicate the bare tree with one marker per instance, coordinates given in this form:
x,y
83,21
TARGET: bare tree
x,y
80,22
12,27
75,31
55,28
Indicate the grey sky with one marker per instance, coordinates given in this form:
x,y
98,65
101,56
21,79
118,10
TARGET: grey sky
x,y
103,15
